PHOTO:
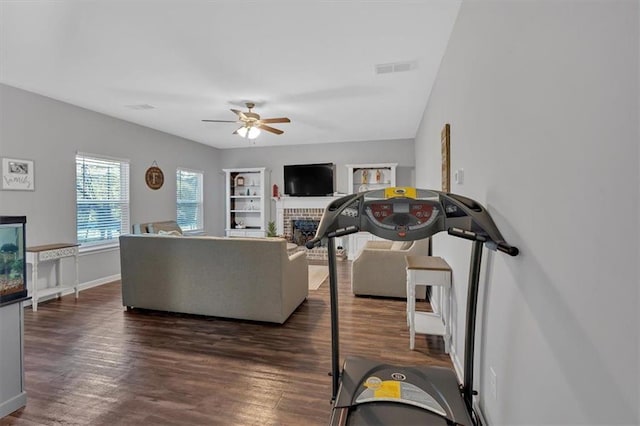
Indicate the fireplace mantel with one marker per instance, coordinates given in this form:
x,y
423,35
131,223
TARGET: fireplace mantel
x,y
303,202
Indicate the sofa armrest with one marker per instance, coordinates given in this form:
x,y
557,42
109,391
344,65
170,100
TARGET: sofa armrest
x,y
295,282
296,255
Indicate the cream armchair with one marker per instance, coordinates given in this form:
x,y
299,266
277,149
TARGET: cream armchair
x,y
380,268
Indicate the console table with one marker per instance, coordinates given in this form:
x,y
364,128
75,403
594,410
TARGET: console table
x,y
435,272
47,253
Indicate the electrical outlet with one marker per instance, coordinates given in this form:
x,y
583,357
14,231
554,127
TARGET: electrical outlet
x,y
493,383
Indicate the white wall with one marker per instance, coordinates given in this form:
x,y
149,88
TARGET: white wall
x,y
274,158
542,97
50,132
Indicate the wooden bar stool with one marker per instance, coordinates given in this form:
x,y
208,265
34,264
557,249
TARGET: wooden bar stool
x,y
434,272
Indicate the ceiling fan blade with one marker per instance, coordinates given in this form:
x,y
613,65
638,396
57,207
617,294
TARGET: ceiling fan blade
x,y
221,121
239,113
276,120
236,131
270,129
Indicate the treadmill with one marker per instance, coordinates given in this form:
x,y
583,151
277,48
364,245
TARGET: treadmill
x,y
368,392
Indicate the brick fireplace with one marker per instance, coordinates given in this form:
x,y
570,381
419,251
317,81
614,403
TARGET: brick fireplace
x,y
301,209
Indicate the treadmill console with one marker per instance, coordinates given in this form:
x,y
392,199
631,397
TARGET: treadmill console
x,y
402,218
409,214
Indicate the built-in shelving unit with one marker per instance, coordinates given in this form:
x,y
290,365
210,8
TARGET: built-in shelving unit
x,y
366,177
246,202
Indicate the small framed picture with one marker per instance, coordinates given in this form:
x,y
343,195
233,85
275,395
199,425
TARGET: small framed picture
x,y
18,175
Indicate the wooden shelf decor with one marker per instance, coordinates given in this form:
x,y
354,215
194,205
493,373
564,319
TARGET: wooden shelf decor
x,y
445,146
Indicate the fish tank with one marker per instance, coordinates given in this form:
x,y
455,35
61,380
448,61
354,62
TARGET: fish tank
x,y
13,267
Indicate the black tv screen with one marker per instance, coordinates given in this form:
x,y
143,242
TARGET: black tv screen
x,y
309,180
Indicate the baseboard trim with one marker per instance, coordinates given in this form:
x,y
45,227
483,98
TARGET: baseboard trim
x,y
478,411
13,404
457,366
82,286
99,281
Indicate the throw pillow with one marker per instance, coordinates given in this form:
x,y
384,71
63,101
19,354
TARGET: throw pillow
x,y
174,233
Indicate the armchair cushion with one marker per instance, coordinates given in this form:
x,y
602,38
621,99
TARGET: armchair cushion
x,y
380,270
165,227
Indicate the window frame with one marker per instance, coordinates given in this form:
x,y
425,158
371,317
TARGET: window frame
x,y
124,201
200,202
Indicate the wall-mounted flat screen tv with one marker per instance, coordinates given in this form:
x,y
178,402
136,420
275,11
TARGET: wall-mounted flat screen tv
x,y
309,180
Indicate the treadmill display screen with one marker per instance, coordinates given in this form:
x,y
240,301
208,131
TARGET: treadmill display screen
x,y
401,208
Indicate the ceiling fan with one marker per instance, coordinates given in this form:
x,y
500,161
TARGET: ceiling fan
x,y
252,123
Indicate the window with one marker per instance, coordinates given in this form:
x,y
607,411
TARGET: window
x,y
189,200
102,200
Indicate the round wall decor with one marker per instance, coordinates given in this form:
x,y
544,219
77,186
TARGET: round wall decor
x,y
154,177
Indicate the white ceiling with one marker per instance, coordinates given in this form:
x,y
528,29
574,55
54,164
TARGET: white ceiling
x,y
312,61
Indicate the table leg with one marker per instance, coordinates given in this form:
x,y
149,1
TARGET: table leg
x,y
411,302
58,265
34,278
77,278
446,300
408,293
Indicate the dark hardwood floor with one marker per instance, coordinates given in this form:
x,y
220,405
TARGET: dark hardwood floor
x,y
90,362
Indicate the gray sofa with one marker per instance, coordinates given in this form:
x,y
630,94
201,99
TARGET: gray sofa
x,y
243,278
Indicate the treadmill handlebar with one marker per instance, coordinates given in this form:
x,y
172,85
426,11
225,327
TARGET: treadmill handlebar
x,y
313,242
473,236
508,249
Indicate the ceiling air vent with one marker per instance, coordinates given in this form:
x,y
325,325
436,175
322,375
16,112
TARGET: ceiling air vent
x,y
395,67
140,106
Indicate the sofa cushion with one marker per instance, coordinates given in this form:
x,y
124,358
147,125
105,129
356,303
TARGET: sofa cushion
x,y
401,245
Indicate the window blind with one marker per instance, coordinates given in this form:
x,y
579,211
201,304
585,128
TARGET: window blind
x,y
102,200
189,200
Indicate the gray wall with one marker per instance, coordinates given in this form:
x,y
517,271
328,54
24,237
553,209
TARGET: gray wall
x,y
50,133
542,97
274,158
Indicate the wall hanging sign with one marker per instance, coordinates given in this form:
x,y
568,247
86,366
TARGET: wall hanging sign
x,y
154,176
18,175
445,141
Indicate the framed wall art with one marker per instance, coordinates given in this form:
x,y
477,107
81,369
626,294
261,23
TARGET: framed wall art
x,y
154,177
18,175
445,146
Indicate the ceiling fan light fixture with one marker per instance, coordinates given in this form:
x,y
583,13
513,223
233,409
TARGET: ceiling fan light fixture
x,y
253,132
251,123
248,132
242,132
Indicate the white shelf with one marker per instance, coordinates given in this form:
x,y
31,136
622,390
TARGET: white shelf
x,y
429,323
250,210
49,291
